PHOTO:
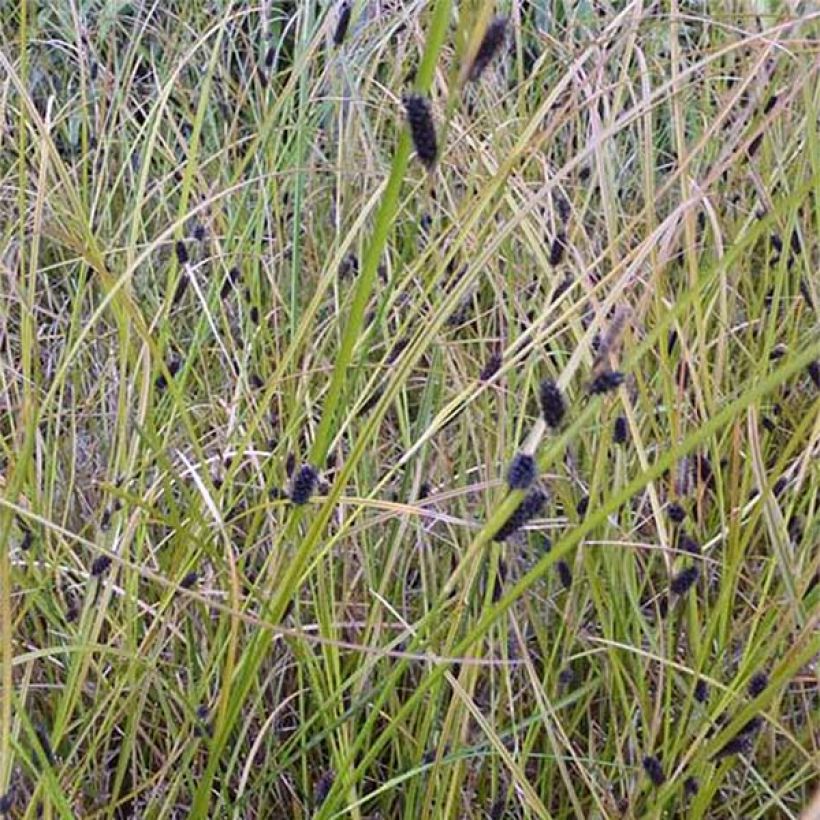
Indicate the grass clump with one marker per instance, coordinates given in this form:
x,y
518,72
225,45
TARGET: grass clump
x,y
284,286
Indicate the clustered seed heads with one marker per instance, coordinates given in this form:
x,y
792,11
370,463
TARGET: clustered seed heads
x,y
490,44
654,770
605,382
422,129
303,484
684,580
552,403
530,507
522,471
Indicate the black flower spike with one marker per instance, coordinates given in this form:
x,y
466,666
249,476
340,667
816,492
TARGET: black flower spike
x,y
200,232
323,787
654,770
552,403
173,368
182,253
619,430
531,506
290,464
6,803
582,506
422,129
492,367
684,580
701,691
100,565
814,373
303,484
230,280
737,745
557,248
490,44
605,381
757,684
565,574
522,471
688,544
690,786
182,286
342,24
189,580
676,513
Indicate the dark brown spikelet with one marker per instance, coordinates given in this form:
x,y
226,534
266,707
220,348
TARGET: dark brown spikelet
x,y
290,464
684,580
757,684
565,574
342,24
605,382
323,786
100,565
189,580
303,484
531,506
492,367
619,430
231,279
182,286
422,129
582,506
490,44
521,472
814,373
690,786
182,252
6,803
688,544
173,366
676,513
701,692
654,770
552,403
557,248
737,745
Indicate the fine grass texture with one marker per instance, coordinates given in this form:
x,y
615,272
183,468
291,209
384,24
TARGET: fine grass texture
x,y
409,410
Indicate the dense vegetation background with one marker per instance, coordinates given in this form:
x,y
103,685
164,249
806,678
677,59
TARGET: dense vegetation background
x,y
231,284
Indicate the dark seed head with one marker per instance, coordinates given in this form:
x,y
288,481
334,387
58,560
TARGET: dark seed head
x,y
6,802
619,430
684,580
690,786
688,544
814,372
605,382
701,691
182,286
676,513
254,314
490,44
654,770
189,580
737,745
565,574
552,402
582,506
303,484
230,280
342,24
182,253
757,684
323,787
100,565
557,248
492,367
522,471
566,677
290,464
531,506
422,129
28,538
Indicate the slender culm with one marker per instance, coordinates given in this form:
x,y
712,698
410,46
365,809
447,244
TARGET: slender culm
x,y
342,23
552,403
182,253
605,382
654,770
521,472
490,44
757,684
684,580
531,506
620,430
303,484
565,574
422,129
